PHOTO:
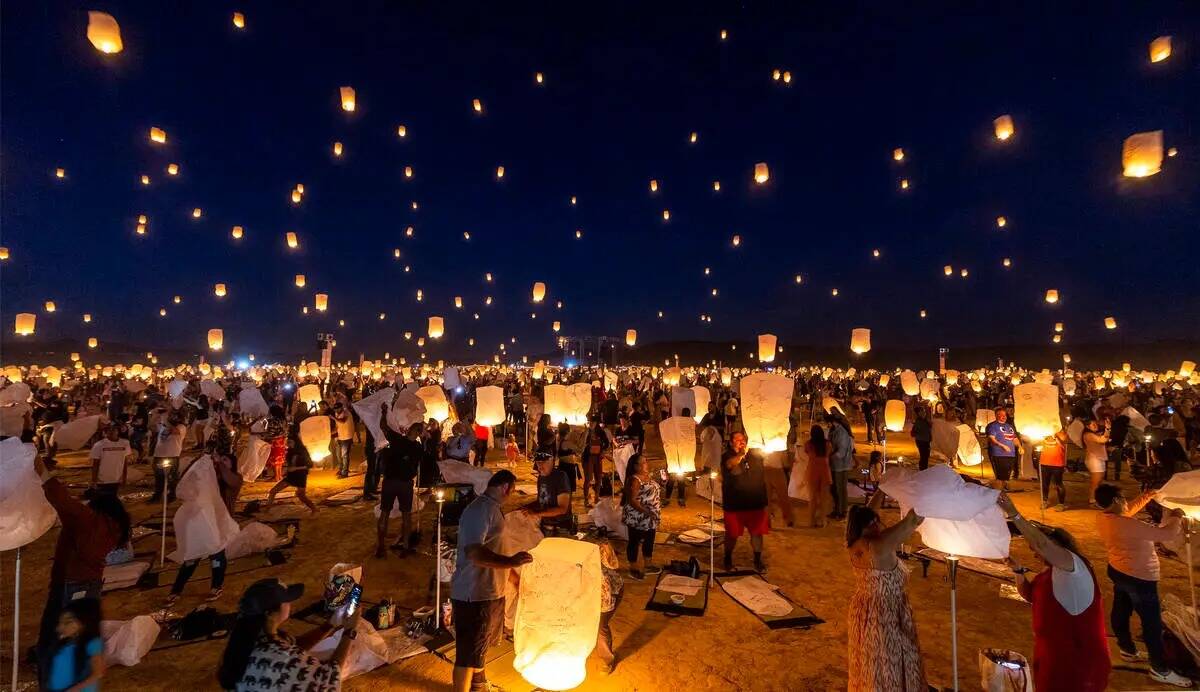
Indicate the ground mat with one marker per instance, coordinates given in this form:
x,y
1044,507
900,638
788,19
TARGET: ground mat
x,y
678,595
766,601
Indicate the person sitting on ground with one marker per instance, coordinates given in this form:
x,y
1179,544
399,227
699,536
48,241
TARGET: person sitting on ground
x,y
553,505
260,657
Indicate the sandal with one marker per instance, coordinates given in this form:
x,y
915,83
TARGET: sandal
x,y
213,595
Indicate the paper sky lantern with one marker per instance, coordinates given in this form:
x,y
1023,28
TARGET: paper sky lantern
x,y
1003,127
678,435
884,379
1052,295
1186,368
1160,49
539,292
293,241
458,303
3,253
237,233
60,173
726,377
216,339
158,135
499,172
219,290
894,413
321,302
197,213
162,312
348,100
556,326
50,306
104,33
309,395
436,327
766,404
761,173
489,406
1110,323
631,337
436,406
337,148
74,356
477,105
315,436
300,281
766,348
558,613
860,340
93,342
897,154
1142,154
908,382
172,169
654,186
25,323
239,20
1058,327
1035,409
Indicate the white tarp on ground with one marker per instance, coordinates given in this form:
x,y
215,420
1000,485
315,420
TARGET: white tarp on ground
x,y
462,472
127,641
202,523
758,595
254,537
25,514
960,518
368,411
75,434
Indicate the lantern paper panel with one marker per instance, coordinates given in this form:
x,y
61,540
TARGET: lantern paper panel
x,y
216,339
894,413
104,33
766,404
766,348
315,436
558,613
310,395
860,340
960,518
436,406
679,443
1142,154
1035,409
489,405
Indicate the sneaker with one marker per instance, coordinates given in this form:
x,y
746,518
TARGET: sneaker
x,y
653,569
636,574
1170,678
1060,508
214,595
1134,656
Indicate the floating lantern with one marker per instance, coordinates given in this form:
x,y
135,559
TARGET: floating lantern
x,y
678,435
897,154
219,290
737,240
1001,222
172,169
162,312
316,436
436,327
293,241
923,314
1110,323
766,348
787,77
630,337
894,413
1003,127
239,20
145,180
93,342
296,196
1142,154
1035,409
50,307
654,186
477,105
860,340
158,135
489,406
458,302
1052,296
948,270
321,302
87,317
1186,368
761,173
1160,49
1007,262
348,100
964,273
904,183
834,293
499,172
3,253
177,300
197,212
104,33
237,233
558,613
60,173
337,148
766,403
539,292
908,382
666,215
300,281
555,326
875,252
1057,339
74,356
216,339
25,323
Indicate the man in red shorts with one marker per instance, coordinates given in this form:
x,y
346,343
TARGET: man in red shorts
x,y
744,497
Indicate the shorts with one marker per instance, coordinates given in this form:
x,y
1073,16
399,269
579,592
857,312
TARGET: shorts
x,y
756,521
476,627
396,489
1094,464
297,479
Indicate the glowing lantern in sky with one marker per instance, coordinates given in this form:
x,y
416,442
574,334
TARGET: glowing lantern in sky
x,y
321,302
716,186
1003,127
162,312
761,173
654,186
348,100
1058,327
489,406
499,172
860,340
1142,154
908,382
948,270
1160,49
300,281
216,339
104,33
177,300
145,180
25,323
158,135
337,148
293,241
904,183
766,347
477,105
60,173
197,213
630,337
93,342
315,436
458,301
556,326
678,435
3,253
219,290
436,327
558,613
1186,368
766,403
1110,323
737,240
1035,409
87,316
1052,295
50,307
172,169
237,233
1001,222
893,415
539,292
239,20
402,131
897,154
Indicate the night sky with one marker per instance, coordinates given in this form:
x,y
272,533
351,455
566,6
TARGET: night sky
x,y
250,113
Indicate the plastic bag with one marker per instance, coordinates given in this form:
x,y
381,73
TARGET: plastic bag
x,y
254,537
127,641
607,514
367,652
1001,670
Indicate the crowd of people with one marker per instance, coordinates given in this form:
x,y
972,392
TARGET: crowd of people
x,y
1151,431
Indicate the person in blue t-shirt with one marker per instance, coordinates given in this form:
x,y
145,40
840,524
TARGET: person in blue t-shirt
x,y
78,661
1003,447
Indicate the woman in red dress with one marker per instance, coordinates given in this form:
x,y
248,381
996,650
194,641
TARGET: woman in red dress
x,y
1070,648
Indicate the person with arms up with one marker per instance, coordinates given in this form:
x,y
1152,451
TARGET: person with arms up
x,y
477,587
744,497
110,459
1134,570
1003,447
1070,645
400,461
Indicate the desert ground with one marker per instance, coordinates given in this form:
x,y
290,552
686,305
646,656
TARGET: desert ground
x,y
726,649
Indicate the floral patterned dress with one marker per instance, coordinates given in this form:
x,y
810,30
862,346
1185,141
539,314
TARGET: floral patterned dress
x,y
883,650
648,520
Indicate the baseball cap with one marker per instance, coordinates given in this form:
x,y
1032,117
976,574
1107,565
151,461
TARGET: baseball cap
x,y
266,595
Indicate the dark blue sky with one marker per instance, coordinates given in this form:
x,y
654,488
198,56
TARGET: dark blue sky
x,y
251,113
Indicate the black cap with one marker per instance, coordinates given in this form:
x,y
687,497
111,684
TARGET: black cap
x,y
266,595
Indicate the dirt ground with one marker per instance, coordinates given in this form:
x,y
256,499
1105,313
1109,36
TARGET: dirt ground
x,y
726,649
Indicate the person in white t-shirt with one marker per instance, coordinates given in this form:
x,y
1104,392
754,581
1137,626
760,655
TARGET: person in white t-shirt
x,y
171,434
110,458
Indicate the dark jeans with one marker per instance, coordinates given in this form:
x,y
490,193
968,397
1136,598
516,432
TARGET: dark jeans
x,y
1116,455
923,452
1053,476
1004,468
673,483
1132,595
371,479
172,477
188,568
841,502
343,447
646,538
59,596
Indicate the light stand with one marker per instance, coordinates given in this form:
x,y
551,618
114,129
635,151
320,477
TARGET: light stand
x,y
1187,536
952,566
712,537
165,464
1037,463
16,654
439,496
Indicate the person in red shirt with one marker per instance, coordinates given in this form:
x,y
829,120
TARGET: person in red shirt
x,y
1051,464
481,443
89,533
1070,648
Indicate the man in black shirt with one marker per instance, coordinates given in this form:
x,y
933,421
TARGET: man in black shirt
x,y
398,462
553,505
744,497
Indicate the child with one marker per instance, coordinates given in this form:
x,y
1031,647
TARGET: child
x,y
78,661
610,597
512,452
